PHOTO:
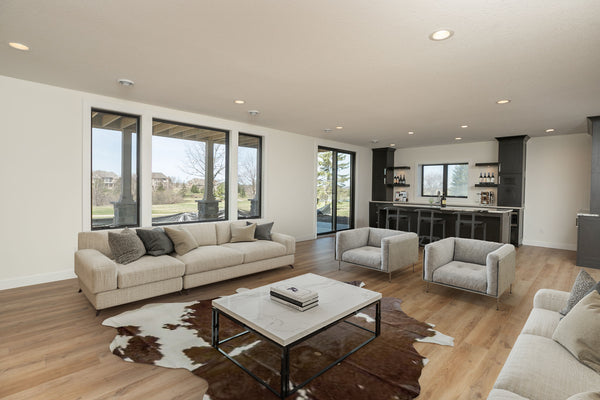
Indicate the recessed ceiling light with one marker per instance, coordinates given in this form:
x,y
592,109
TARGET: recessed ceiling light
x,y
239,101
503,101
339,127
254,113
457,138
549,130
18,46
125,82
392,144
464,126
411,133
442,34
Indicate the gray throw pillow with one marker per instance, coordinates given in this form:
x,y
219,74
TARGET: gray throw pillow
x,y
242,233
155,241
583,283
126,246
578,331
263,231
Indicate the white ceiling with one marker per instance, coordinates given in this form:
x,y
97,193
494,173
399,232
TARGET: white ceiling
x,y
315,64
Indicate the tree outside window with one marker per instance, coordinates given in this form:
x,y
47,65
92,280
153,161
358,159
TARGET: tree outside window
x,y
449,179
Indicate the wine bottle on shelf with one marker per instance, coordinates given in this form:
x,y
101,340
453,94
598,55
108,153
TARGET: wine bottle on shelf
x,y
493,179
480,177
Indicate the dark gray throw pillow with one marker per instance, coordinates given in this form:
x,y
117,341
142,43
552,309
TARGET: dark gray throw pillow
x,y
156,241
126,246
263,231
582,286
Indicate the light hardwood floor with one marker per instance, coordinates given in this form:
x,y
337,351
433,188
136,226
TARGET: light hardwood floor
x,y
52,346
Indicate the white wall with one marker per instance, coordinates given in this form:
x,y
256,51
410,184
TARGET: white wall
x,y
472,153
45,169
557,185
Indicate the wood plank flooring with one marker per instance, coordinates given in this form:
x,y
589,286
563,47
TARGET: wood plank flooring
x,y
52,346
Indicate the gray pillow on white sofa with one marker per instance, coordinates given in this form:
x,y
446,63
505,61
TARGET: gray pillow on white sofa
x,y
126,246
582,285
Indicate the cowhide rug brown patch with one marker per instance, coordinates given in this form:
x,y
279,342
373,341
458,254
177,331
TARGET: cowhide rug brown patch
x,y
178,335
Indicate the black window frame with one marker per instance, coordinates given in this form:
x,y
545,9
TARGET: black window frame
x,y
259,173
137,167
227,150
351,216
444,177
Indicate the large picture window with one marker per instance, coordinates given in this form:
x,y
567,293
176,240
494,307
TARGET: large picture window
x,y
451,179
189,173
115,200
249,176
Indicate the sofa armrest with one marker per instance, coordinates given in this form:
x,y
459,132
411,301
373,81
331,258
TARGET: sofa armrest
x,y
500,268
288,241
550,299
399,251
350,239
435,255
97,272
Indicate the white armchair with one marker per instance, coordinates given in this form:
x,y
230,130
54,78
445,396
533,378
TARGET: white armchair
x,y
385,250
473,265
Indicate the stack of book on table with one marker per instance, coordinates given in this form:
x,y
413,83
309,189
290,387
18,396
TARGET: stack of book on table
x,y
298,298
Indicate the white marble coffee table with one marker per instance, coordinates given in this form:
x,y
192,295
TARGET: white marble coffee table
x,y
287,327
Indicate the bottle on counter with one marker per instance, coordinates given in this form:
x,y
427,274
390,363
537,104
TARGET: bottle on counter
x,y
443,201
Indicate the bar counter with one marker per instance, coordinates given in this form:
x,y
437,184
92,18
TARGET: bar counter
x,y
497,219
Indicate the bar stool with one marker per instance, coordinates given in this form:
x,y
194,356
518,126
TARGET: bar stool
x,y
469,219
432,218
394,213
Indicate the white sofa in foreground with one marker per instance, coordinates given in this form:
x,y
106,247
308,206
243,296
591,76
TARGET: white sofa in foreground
x,y
107,283
539,368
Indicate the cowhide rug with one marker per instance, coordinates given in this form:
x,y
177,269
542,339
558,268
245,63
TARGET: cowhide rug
x,y
178,335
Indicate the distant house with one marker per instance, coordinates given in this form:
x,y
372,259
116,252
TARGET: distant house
x,y
160,180
108,178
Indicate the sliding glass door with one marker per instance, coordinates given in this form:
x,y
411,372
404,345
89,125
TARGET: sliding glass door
x,y
335,190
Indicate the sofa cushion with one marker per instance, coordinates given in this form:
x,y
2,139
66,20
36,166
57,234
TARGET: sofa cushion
x,y
463,275
257,250
579,331
595,395
366,255
582,285
207,258
541,322
126,246
376,234
242,233
501,394
540,368
97,240
148,269
205,233
473,251
156,241
182,239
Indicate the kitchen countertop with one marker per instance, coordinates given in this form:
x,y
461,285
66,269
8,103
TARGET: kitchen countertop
x,y
454,207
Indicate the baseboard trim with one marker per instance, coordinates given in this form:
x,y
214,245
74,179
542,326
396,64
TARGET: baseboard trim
x,y
560,246
36,279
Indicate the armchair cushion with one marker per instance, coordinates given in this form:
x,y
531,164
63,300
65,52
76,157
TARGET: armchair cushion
x,y
367,255
463,275
473,251
376,234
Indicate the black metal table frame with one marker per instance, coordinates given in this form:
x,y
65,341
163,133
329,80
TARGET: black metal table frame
x,y
284,390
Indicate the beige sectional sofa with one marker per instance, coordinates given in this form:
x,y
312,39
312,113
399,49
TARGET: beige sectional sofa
x,y
106,283
539,368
